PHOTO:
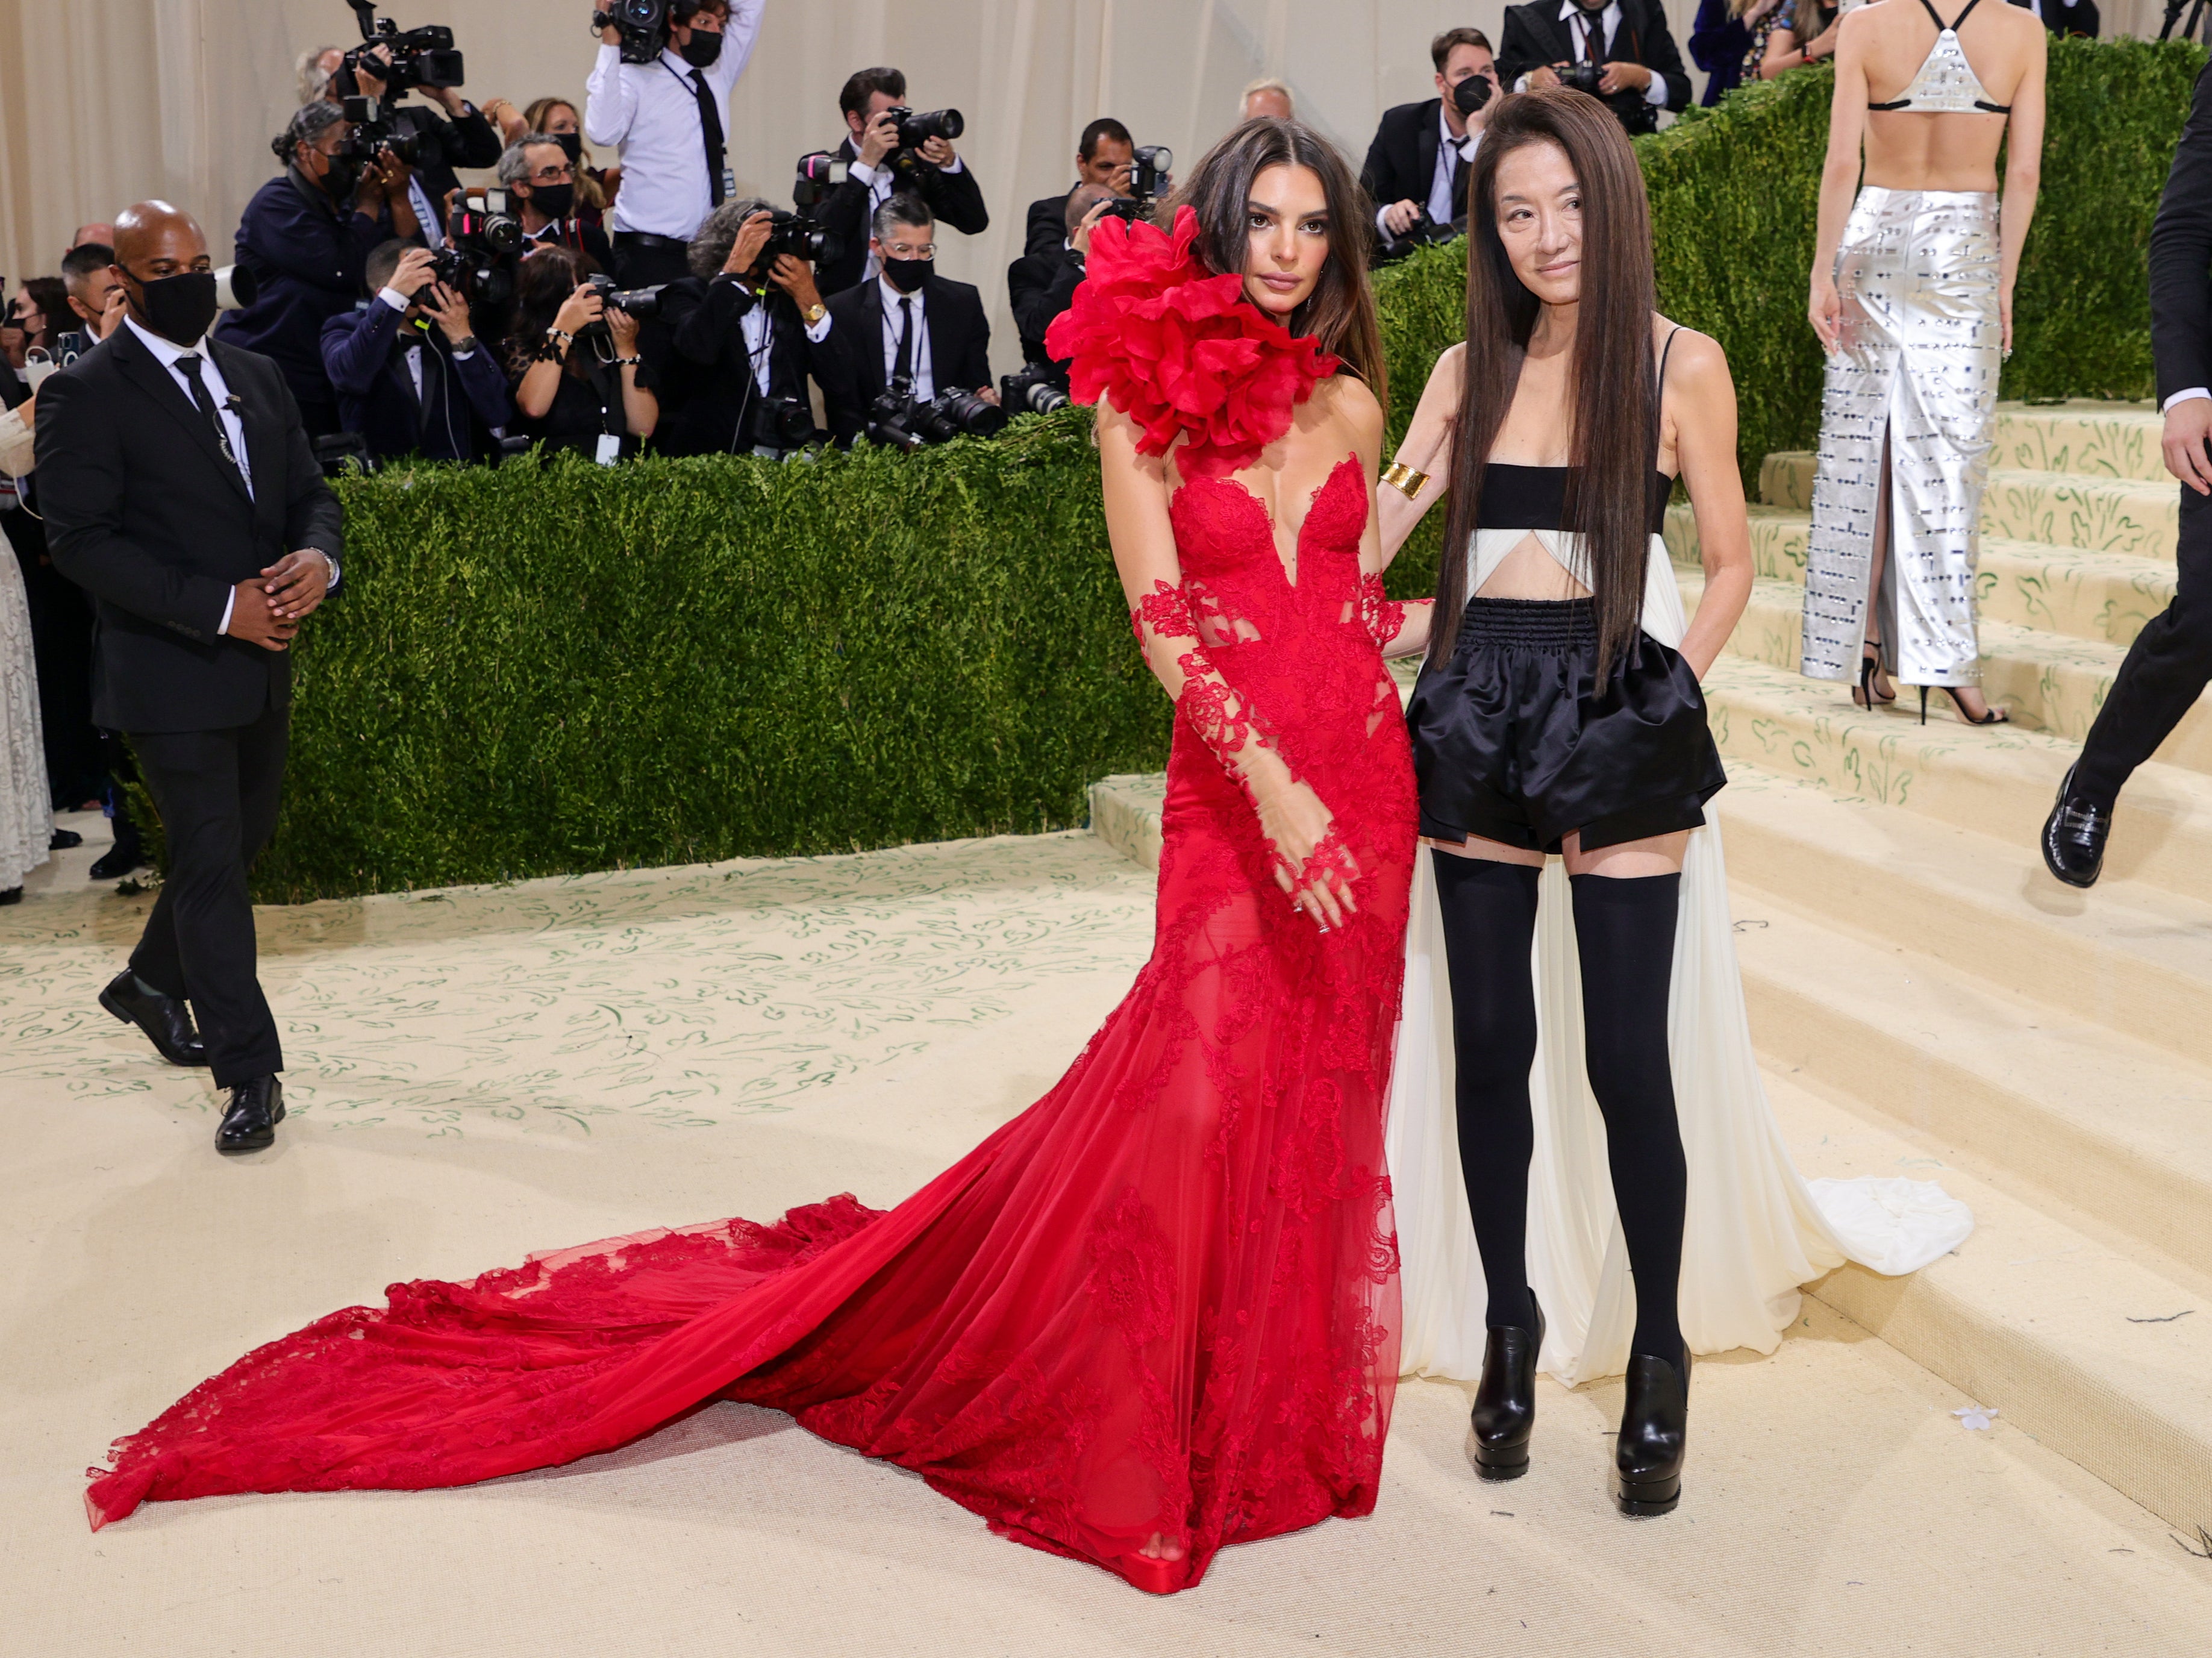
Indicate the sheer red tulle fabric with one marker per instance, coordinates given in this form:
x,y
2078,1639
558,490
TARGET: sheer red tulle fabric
x,y
1154,1315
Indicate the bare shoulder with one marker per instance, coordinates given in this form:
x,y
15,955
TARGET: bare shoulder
x,y
1351,400
1451,363
1695,361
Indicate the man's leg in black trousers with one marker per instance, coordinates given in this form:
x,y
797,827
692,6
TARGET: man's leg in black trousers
x,y
2166,670
218,793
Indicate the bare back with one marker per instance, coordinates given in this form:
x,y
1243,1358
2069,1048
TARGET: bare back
x,y
1916,149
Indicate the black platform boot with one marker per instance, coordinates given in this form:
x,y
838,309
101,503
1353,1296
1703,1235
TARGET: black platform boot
x,y
1647,1458
1506,1402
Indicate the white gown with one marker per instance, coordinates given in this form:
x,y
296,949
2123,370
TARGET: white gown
x,y
1755,1231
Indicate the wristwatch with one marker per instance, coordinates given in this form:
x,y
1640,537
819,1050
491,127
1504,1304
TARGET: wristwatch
x,y
814,313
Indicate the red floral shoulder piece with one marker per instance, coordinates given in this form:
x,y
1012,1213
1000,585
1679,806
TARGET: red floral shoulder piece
x,y
1180,351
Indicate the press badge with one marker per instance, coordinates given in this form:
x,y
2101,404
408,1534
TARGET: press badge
x,y
610,449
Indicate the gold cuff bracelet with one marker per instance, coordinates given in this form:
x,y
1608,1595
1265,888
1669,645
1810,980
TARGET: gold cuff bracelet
x,y
1404,479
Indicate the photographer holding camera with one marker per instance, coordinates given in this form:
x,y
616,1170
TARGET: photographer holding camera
x,y
910,334
1105,155
428,148
406,387
95,297
891,150
746,328
1417,168
1042,285
663,98
572,357
1618,50
541,186
304,239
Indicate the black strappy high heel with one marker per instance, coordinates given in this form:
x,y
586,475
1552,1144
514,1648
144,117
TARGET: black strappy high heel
x,y
1868,667
1991,714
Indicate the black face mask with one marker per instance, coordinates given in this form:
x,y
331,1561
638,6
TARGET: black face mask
x,y
554,201
178,308
572,146
344,174
702,49
1471,93
906,275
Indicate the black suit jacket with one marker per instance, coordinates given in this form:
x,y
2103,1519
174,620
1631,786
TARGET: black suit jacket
x,y
1402,163
1535,35
709,384
1041,286
144,512
853,375
2069,16
2180,257
955,197
1047,225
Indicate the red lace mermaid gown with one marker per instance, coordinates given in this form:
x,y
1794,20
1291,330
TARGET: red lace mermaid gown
x,y
1161,1303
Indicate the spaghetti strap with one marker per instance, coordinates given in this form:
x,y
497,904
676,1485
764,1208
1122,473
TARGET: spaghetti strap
x,y
1953,25
1665,352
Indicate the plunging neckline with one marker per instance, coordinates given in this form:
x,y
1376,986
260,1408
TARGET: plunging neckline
x,y
1289,567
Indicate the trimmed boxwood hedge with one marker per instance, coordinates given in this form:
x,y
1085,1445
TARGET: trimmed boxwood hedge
x,y
554,667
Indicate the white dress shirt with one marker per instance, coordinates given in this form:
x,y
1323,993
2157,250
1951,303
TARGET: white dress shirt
x,y
1577,22
757,325
399,302
925,379
881,181
651,113
165,352
1445,193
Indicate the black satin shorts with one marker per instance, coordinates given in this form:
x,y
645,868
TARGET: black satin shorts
x,y
1514,741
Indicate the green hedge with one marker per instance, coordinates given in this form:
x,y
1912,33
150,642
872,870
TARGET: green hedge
x,y
558,667
1735,196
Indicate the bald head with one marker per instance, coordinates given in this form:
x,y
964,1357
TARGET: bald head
x,y
151,234
89,234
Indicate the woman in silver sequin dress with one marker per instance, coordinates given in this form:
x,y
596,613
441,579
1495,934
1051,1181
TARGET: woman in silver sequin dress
x,y
1911,296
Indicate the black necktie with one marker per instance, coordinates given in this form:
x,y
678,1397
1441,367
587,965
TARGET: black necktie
x,y
190,363
1590,42
904,368
710,128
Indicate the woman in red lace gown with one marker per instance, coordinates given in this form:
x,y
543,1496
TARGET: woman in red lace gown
x,y
1156,1313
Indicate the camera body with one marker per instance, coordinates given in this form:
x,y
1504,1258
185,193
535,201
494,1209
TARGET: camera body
x,y
478,259
778,424
1039,389
1582,76
901,421
1148,177
377,127
421,57
643,303
819,175
801,238
915,130
643,25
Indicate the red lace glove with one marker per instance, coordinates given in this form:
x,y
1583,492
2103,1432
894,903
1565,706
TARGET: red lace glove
x,y
1385,618
1217,710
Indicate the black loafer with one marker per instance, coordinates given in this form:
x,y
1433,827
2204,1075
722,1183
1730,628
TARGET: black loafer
x,y
256,1108
1505,1400
1647,1458
62,840
2074,836
166,1021
119,860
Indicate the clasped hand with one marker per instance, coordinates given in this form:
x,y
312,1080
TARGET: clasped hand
x,y
267,609
1296,822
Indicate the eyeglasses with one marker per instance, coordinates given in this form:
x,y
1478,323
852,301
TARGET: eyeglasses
x,y
558,174
908,250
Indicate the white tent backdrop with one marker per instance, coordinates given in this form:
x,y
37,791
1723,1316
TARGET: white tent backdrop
x,y
104,106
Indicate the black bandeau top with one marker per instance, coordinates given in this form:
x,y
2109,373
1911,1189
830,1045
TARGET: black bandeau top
x,y
1535,497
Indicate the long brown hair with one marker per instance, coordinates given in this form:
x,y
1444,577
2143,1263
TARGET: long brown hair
x,y
1613,450
1339,314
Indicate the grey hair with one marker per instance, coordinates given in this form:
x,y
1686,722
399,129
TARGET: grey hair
x,y
712,242
906,209
1268,83
313,82
308,124
513,165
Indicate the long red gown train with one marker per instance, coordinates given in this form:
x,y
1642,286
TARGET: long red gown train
x,y
1159,1307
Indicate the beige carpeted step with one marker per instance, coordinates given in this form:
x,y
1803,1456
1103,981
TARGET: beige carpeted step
x,y
2133,959
2068,1339
1999,780
2096,439
2048,682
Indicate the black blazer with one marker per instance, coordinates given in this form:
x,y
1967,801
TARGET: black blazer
x,y
955,197
144,512
376,393
1041,286
1402,163
2079,18
1046,228
1536,35
709,385
2180,257
852,370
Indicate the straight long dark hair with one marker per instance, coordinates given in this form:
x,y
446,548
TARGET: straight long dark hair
x,y
1339,314
1613,450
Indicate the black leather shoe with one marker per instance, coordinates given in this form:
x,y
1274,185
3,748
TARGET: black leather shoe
x,y
119,860
62,840
2074,836
12,896
166,1021
256,1108
1647,1458
1505,1400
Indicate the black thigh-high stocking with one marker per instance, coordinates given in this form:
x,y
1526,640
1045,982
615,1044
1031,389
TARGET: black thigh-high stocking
x,y
1624,936
1489,923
